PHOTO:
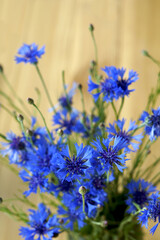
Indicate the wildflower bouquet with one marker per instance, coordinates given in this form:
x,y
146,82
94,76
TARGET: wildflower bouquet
x,y
80,168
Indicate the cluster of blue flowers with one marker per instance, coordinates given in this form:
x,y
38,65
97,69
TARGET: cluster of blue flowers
x,y
60,166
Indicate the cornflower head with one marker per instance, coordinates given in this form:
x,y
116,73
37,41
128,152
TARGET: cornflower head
x,y
15,146
152,211
121,83
138,193
72,167
68,122
74,200
66,99
70,217
108,155
152,123
29,53
106,88
41,225
35,180
114,86
117,130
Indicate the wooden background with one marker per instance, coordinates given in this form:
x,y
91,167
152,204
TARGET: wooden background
x,y
123,28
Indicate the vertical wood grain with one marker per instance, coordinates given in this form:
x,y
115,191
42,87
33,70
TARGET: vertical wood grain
x,y
123,28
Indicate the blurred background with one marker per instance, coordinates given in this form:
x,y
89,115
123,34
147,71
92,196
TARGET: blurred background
x,y
123,28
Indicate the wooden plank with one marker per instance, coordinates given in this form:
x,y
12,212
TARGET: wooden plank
x,y
122,29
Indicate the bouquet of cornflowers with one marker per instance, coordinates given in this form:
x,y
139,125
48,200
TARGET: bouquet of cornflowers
x,y
79,168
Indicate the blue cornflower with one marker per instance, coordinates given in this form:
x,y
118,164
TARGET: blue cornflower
x,y
62,187
152,123
121,83
74,200
14,147
66,100
108,155
152,211
68,122
72,216
29,53
106,88
114,86
35,180
41,156
72,167
41,225
138,192
117,129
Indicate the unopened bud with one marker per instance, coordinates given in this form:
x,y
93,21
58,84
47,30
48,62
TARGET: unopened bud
x,y
1,68
145,53
80,86
104,223
60,132
82,190
91,27
30,101
61,220
102,125
29,132
20,118
93,63
56,234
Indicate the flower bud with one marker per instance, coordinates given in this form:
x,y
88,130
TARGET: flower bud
x,y
29,132
60,132
20,118
104,223
145,53
82,190
102,126
61,220
30,101
1,68
91,27
56,234
93,63
80,86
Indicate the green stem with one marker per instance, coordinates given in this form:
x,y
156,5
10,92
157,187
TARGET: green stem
x,y
95,48
65,91
120,109
115,111
4,137
83,200
49,134
45,87
14,93
14,106
7,110
145,53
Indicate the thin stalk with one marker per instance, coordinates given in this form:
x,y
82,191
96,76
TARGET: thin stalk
x,y
65,91
14,93
115,111
83,200
14,106
145,53
49,134
4,137
45,87
95,48
121,107
7,110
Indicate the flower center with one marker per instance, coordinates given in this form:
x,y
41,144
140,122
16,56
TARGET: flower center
x,y
17,144
140,197
122,84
